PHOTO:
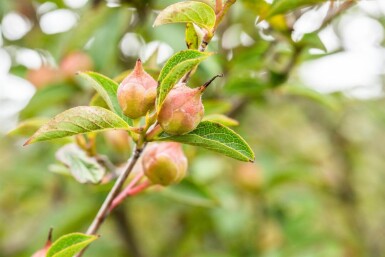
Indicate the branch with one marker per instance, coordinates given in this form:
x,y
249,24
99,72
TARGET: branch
x,y
333,13
104,209
209,34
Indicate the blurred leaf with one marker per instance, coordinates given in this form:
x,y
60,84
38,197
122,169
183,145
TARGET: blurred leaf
x,y
312,40
215,137
69,245
59,169
28,127
191,36
303,91
222,119
260,7
189,192
97,100
284,6
78,120
84,169
246,84
107,89
198,13
96,27
174,69
46,97
213,106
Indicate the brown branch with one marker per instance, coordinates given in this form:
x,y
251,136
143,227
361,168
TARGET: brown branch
x,y
104,209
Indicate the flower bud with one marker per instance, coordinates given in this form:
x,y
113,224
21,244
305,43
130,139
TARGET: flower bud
x,y
44,76
164,163
137,92
74,62
43,252
182,110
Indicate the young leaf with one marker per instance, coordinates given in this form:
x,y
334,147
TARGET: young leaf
x,y
189,11
222,119
97,100
191,36
78,120
174,69
84,169
69,245
312,40
215,137
27,127
107,89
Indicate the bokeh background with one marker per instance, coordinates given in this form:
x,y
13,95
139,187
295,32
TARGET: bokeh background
x,y
306,86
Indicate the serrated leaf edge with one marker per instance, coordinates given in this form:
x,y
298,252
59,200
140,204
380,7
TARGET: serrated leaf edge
x,y
246,158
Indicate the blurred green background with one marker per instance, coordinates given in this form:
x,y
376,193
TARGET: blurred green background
x,y
316,187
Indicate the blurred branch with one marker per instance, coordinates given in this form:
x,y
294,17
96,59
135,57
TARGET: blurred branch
x,y
240,104
344,191
104,209
125,229
335,12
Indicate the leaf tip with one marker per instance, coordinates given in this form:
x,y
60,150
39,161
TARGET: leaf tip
x,y
29,141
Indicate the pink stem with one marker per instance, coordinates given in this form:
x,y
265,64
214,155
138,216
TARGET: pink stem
x,y
139,188
130,190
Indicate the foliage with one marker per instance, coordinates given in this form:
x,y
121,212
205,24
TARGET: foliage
x,y
313,189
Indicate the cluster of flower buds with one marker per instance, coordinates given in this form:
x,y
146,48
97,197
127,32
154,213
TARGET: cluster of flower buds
x,y
164,163
137,92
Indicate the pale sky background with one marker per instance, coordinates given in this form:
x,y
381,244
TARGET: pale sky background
x,y
357,71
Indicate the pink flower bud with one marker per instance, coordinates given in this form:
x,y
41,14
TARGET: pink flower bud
x,y
182,110
137,92
164,163
74,62
43,252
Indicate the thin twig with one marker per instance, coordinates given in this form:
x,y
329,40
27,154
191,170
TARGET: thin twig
x,y
209,34
104,209
333,13
119,198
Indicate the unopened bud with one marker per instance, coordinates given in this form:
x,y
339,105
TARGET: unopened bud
x,y
183,110
164,163
43,252
137,92
74,62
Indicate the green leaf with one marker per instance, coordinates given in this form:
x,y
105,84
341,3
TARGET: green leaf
x,y
198,13
27,127
189,192
97,100
78,120
69,245
107,89
84,169
312,40
191,36
215,137
284,6
222,119
174,69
